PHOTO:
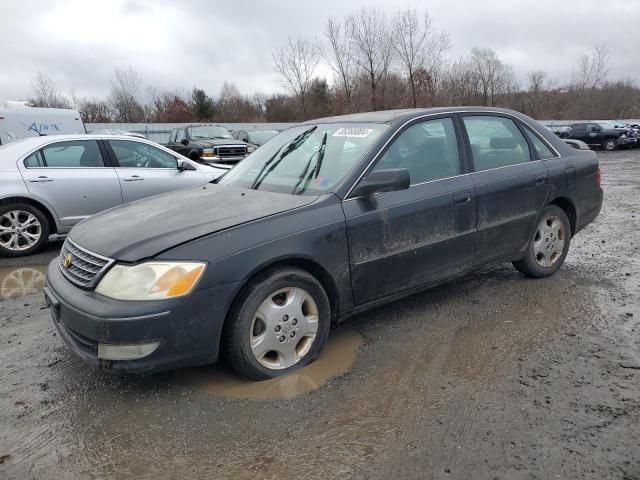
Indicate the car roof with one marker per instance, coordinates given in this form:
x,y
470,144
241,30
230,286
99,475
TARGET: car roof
x,y
389,116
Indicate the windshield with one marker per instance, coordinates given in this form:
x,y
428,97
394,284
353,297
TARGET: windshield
x,y
261,137
305,160
606,125
196,133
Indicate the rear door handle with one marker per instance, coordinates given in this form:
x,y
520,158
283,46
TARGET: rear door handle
x,y
42,179
133,178
541,179
462,198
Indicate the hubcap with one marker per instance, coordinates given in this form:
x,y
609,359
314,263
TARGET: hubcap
x,y
549,241
284,328
19,230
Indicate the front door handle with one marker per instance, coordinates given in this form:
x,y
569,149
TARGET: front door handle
x,y
462,199
133,178
541,179
42,179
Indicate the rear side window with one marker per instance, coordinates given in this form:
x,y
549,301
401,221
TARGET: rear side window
x,y
540,147
75,154
429,151
34,160
495,142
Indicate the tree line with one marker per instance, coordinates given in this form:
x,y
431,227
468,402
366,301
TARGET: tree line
x,y
377,62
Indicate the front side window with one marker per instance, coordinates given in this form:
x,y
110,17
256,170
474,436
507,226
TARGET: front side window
x,y
429,151
305,160
141,155
540,147
495,142
179,135
74,154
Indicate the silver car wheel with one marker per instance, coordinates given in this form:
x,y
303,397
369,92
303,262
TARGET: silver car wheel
x,y
548,244
19,230
284,328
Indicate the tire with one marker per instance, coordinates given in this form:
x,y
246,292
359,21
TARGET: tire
x,y
13,218
548,246
270,332
609,144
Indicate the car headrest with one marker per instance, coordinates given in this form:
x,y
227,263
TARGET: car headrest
x,y
503,143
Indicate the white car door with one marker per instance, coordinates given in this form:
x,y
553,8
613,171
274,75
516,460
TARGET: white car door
x,y
73,177
145,170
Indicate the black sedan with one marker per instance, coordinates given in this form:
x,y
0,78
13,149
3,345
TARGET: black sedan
x,y
329,218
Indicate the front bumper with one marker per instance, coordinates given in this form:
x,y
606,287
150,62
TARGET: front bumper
x,y
187,328
628,142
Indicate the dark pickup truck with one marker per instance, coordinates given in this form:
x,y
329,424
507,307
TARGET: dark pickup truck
x,y
208,144
603,134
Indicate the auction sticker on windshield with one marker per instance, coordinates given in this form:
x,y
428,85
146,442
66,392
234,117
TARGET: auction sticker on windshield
x,y
353,132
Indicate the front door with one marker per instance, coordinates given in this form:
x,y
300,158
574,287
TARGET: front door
x,y
145,170
73,177
405,239
511,185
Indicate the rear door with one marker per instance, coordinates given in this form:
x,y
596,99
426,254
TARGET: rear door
x,y
74,177
512,185
145,170
404,239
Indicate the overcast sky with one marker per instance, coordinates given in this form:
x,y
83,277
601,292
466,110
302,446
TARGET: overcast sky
x,y
179,44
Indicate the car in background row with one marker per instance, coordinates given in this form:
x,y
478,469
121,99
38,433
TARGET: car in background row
x,y
328,219
49,184
256,138
603,135
209,144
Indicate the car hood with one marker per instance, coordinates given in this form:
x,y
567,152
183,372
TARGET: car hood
x,y
145,228
214,142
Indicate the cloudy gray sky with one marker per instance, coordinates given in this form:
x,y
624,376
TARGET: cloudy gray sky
x,y
179,44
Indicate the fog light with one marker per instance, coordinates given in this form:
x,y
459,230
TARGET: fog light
x,y
126,352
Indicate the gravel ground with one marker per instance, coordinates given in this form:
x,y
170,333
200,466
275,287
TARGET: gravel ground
x,y
494,376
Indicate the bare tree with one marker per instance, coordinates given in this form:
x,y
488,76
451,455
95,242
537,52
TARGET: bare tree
x,y
373,47
535,90
418,46
124,96
93,110
45,93
494,76
339,56
296,64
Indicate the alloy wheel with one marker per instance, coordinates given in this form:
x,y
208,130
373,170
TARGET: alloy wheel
x,y
19,230
548,244
284,328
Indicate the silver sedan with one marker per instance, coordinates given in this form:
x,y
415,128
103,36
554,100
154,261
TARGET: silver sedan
x,y
48,184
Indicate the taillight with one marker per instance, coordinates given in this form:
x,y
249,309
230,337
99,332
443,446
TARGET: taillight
x,y
598,177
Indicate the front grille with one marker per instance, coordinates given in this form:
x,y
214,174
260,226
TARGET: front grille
x,y
85,268
232,151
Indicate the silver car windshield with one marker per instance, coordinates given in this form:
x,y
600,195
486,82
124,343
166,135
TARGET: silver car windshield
x,y
305,160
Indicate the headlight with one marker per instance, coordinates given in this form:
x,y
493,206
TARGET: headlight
x,y
251,149
151,280
624,135
207,152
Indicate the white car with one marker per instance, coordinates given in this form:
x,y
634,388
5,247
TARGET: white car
x,y
50,183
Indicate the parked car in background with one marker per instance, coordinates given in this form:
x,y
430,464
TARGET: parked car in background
x,y
255,138
22,122
209,144
603,135
329,218
49,184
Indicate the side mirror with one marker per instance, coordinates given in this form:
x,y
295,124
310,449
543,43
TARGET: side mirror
x,y
378,181
184,141
245,139
184,165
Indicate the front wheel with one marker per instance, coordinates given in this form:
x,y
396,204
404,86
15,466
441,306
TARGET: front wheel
x,y
609,145
548,246
279,325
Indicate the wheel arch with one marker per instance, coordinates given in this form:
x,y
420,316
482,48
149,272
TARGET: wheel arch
x,y
569,208
47,211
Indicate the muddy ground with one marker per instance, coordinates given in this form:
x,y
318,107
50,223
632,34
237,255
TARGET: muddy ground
x,y
492,377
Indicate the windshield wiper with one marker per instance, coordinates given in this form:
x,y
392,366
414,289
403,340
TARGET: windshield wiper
x,y
314,171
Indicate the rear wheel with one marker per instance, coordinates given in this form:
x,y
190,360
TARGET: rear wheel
x,y
548,246
23,230
279,325
609,145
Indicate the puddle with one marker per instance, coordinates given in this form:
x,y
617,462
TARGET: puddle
x,y
336,358
20,281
